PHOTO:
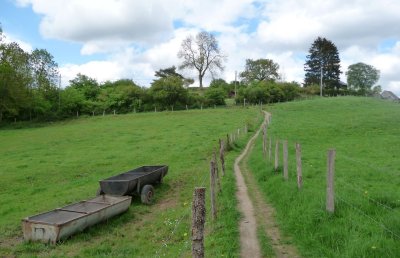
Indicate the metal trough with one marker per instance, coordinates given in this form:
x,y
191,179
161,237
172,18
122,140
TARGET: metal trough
x,y
52,226
132,182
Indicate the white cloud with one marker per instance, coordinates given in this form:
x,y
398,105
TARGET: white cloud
x,y
8,38
138,36
92,22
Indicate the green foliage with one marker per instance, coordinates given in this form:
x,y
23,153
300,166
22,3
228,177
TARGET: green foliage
x,y
215,96
361,77
323,55
86,85
364,132
169,92
15,79
268,92
260,70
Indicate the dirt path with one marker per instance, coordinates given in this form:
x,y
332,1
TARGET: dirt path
x,y
249,244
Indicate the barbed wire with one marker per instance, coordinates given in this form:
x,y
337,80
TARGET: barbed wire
x,y
364,163
379,223
354,188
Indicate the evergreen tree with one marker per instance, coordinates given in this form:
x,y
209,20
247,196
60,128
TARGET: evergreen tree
x,y
323,55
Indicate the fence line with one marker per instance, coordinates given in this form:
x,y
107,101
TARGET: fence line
x,y
340,181
187,213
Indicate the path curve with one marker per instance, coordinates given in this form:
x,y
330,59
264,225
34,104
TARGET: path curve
x,y
249,245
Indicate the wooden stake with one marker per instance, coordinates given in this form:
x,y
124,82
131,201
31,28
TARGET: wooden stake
x,y
298,166
228,143
212,186
276,155
270,149
216,171
221,156
198,221
330,194
263,143
285,160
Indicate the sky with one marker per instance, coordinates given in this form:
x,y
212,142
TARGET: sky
x,y
131,39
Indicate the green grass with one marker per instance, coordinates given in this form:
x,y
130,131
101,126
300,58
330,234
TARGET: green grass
x,y
365,133
51,166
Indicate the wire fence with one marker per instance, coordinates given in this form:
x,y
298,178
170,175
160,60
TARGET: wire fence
x,y
343,185
186,213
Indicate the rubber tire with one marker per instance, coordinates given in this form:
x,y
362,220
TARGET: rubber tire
x,y
99,192
147,193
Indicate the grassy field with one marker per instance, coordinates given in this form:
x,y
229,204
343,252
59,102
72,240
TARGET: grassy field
x,y
51,166
365,133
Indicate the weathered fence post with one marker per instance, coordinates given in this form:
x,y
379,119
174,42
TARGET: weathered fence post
x,y
285,160
104,112
330,194
264,148
298,166
228,142
216,171
212,190
198,220
221,156
270,149
276,155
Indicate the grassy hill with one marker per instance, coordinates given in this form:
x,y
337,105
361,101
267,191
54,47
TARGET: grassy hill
x,y
365,133
48,167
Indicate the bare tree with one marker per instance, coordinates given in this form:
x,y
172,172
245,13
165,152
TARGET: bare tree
x,y
202,54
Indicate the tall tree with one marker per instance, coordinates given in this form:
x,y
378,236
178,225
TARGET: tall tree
x,y
15,77
260,70
202,54
323,59
88,86
361,77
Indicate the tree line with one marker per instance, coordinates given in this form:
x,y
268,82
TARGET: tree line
x,y
30,83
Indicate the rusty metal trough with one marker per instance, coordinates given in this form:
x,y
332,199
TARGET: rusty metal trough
x,y
52,226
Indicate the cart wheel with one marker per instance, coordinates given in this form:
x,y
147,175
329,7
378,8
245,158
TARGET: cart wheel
x,y
147,194
99,192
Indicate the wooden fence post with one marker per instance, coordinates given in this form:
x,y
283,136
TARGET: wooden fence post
x,y
198,220
264,148
298,166
216,171
221,156
285,160
228,143
330,194
270,149
212,186
276,155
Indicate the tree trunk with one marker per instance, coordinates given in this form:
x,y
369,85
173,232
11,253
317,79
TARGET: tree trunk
x,y
201,81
